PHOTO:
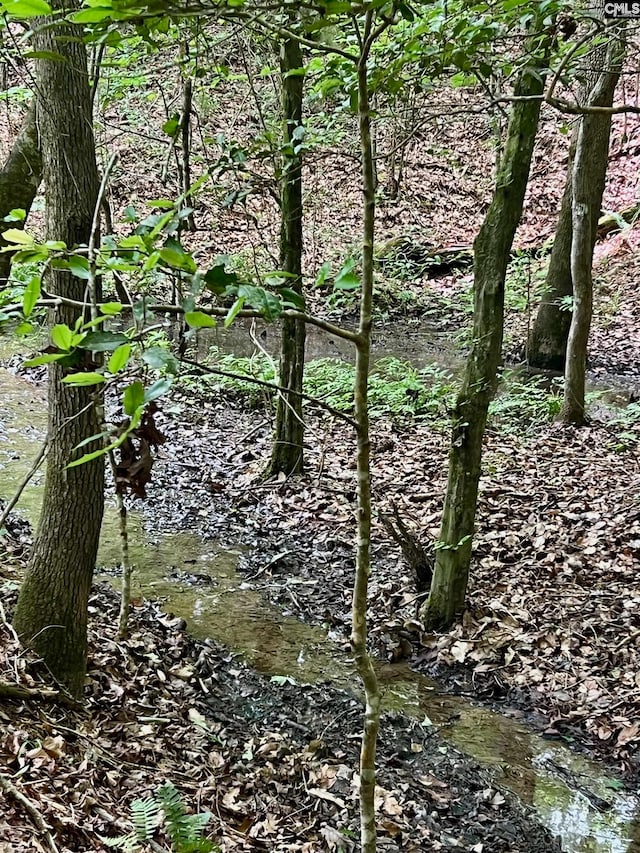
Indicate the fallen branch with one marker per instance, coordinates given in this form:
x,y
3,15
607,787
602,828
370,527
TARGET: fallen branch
x,y
10,690
8,786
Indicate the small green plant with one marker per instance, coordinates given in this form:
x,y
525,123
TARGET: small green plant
x,y
625,426
396,388
524,402
525,282
258,366
164,812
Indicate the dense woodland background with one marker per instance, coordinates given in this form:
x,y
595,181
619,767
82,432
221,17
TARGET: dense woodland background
x,y
350,290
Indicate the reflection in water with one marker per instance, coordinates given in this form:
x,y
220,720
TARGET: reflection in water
x,y
230,612
278,645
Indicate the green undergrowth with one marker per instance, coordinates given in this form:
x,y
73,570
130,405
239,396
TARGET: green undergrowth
x,y
396,390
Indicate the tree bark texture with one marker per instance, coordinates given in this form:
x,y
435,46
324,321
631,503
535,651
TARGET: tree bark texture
x,y
20,178
361,400
491,256
547,345
51,614
287,456
588,176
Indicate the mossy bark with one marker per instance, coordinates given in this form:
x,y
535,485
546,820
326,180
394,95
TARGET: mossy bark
x,y
588,176
547,345
51,614
287,456
20,178
491,256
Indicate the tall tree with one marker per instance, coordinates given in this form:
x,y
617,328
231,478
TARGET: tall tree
x,y
491,256
20,178
587,185
547,345
287,455
51,614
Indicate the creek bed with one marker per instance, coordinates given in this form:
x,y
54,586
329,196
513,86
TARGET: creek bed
x,y
198,581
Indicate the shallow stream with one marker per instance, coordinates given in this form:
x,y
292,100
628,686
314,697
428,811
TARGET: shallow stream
x,y
198,581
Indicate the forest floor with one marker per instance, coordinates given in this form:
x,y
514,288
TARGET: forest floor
x,y
272,761
552,624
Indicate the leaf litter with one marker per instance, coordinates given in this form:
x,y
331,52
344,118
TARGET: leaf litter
x,y
274,762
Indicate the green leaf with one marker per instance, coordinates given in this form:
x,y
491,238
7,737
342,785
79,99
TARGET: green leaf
x,y
31,296
83,379
24,328
18,236
323,272
88,457
18,214
119,358
98,436
92,16
133,397
233,311
25,8
199,320
173,254
171,126
79,266
104,341
110,308
47,358
62,337
292,298
218,279
158,389
346,278
260,299
51,55
160,358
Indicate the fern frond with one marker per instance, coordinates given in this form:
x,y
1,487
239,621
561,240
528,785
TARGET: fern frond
x,y
202,845
184,830
127,843
144,816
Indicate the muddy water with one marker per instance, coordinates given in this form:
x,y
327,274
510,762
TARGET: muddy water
x,y
198,581
418,343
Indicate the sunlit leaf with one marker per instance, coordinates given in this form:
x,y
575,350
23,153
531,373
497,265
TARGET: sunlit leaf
x,y
233,311
110,308
31,296
62,337
133,397
83,379
47,358
18,236
25,8
199,320
119,358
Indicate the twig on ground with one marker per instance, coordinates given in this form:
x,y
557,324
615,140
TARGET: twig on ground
x,y
8,786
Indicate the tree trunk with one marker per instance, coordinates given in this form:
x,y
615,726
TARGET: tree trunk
x,y
491,256
588,177
19,179
361,400
287,456
547,346
51,614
